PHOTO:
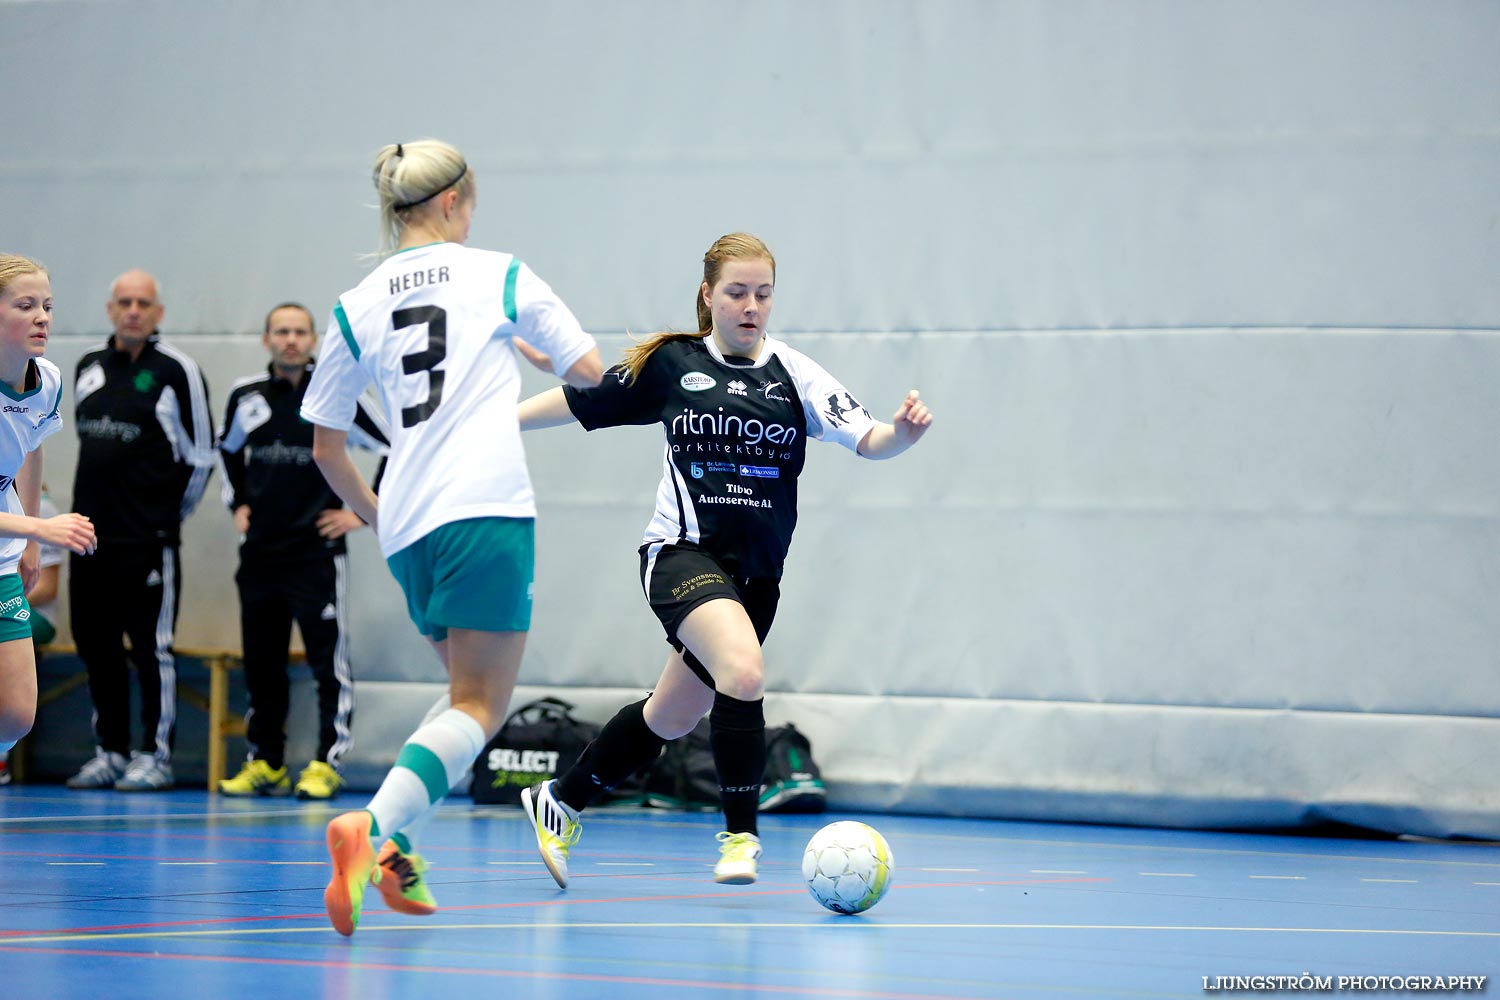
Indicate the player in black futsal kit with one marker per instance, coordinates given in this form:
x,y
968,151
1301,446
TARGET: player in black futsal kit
x,y
738,408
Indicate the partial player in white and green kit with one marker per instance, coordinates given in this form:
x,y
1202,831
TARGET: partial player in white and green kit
x,y
31,387
434,329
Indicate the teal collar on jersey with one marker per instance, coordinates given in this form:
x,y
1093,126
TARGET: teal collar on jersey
x,y
32,381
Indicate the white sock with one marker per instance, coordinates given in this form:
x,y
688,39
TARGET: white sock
x,y
408,833
432,761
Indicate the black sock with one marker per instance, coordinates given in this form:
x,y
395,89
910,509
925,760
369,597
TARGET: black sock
x,y
625,745
738,738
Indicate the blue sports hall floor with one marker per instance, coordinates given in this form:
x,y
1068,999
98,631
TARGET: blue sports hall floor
x,y
182,894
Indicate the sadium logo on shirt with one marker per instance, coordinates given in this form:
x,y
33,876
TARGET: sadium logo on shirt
x,y
697,382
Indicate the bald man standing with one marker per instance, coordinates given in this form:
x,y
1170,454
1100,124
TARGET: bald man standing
x,y
145,450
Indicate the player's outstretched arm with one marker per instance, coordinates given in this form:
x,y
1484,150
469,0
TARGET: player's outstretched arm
x,y
905,429
73,532
585,373
545,409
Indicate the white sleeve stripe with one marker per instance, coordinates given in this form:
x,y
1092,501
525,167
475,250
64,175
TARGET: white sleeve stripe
x,y
248,380
235,435
196,485
226,488
203,434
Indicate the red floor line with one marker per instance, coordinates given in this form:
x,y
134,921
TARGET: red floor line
x,y
516,904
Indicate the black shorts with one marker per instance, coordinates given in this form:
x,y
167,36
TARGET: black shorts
x,y
679,577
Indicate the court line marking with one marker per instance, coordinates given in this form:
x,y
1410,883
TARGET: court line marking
x,y
1487,883
532,974
157,817
459,813
865,923
75,864
549,904
1166,874
1392,881
1287,878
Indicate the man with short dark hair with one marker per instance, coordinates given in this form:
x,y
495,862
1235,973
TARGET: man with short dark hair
x,y
292,559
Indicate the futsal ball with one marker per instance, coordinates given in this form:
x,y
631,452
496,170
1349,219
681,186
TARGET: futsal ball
x,y
847,866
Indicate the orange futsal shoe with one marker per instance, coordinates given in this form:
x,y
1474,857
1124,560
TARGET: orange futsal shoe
x,y
353,866
403,882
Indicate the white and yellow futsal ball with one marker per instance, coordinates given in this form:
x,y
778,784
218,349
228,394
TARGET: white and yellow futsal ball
x,y
847,866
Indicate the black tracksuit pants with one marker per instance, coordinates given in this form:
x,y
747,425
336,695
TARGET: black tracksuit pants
x,y
128,590
312,593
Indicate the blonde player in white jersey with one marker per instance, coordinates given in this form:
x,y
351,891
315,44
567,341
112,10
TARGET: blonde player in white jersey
x,y
433,327
32,387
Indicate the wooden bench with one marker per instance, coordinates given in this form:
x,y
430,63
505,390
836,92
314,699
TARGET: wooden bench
x,y
222,727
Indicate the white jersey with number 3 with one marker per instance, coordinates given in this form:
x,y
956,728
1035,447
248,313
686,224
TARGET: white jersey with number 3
x,y
431,327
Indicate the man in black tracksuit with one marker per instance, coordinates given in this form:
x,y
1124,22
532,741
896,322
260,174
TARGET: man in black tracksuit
x,y
292,560
145,451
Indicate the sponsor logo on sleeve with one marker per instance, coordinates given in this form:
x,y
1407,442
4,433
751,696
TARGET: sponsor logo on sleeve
x,y
90,380
253,411
837,408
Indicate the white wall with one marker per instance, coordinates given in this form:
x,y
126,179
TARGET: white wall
x,y
917,164
1203,296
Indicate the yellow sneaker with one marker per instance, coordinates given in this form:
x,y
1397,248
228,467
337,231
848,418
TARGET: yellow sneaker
x,y
353,866
256,777
403,882
318,781
738,854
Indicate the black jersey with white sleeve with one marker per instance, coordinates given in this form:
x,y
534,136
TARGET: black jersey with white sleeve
x,y
736,440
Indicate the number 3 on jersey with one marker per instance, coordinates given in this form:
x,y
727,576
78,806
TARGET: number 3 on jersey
x,y
436,321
